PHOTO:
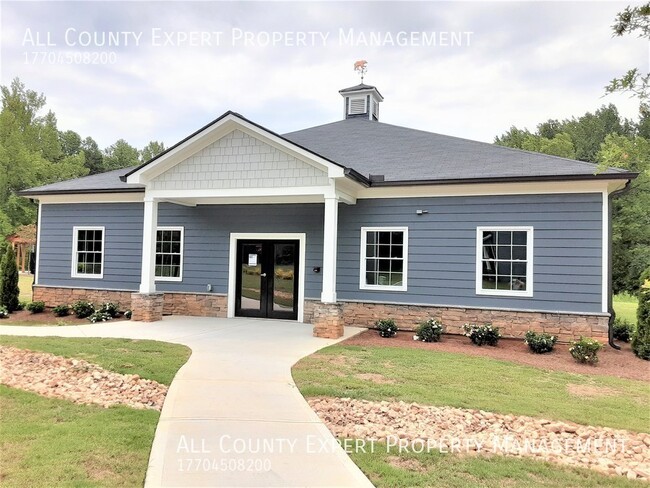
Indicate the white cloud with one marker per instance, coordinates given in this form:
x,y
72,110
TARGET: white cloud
x,y
527,62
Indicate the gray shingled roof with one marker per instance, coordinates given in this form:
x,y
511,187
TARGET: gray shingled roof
x,y
400,154
403,154
102,182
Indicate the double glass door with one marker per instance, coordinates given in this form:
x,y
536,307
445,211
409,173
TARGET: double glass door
x,y
267,279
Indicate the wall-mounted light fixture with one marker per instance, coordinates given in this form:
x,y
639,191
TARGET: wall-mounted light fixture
x,y
421,212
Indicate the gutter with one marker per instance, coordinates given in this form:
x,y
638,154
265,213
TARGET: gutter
x,y
610,294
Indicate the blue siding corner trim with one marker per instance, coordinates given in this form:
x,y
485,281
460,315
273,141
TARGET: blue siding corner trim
x,y
442,249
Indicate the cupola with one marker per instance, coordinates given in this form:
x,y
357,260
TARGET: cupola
x,y
361,101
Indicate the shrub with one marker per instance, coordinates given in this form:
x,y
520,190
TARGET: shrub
x,y
622,329
641,337
36,307
9,291
386,327
61,310
83,309
585,350
128,314
4,313
482,334
99,316
429,331
540,343
110,308
21,306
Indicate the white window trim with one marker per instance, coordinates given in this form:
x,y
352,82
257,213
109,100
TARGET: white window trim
x,y
75,256
362,259
529,262
171,278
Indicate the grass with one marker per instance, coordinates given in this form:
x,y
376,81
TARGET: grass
x,y
457,380
51,442
625,307
407,469
25,285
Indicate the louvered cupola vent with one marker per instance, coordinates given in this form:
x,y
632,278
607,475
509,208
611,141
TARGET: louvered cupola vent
x,y
361,101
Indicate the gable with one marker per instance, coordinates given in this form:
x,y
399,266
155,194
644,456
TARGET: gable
x,y
239,160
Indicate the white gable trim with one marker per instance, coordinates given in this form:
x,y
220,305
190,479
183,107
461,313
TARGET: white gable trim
x,y
216,131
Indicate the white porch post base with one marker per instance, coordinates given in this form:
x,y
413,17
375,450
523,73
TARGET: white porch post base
x,y
330,237
150,224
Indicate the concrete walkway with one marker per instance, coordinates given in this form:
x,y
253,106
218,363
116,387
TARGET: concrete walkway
x,y
233,415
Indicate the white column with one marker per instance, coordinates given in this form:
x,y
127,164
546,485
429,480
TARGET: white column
x,y
147,280
330,233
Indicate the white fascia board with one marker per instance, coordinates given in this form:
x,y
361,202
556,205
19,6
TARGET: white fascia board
x,y
128,197
482,189
198,194
220,129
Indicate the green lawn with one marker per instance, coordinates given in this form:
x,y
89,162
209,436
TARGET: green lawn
x,y
25,284
457,380
439,378
625,307
51,442
397,470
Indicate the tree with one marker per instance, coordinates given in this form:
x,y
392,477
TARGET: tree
x,y
641,337
634,81
151,150
30,153
9,291
120,155
630,216
94,159
70,142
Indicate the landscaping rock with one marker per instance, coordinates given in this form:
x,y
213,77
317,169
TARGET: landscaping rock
x,y
77,380
464,431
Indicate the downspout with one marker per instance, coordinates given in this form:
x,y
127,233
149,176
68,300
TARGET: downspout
x,y
610,294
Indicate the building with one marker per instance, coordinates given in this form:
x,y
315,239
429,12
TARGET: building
x,y
335,225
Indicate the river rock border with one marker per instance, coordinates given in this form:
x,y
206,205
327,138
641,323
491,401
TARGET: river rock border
x,y
77,380
418,428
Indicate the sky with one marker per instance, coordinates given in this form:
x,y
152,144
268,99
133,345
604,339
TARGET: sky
x,y
143,71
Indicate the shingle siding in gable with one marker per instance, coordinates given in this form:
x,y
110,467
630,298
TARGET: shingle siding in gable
x,y
442,249
122,243
239,161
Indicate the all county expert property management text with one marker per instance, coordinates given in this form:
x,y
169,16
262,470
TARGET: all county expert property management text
x,y
72,37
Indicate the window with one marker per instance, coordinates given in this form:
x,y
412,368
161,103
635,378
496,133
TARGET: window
x,y
504,261
88,252
384,258
169,254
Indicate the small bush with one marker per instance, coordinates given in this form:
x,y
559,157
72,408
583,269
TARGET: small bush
x,y
36,307
429,331
4,313
99,316
110,308
623,330
641,337
21,306
585,350
83,309
386,327
61,310
128,314
540,343
482,334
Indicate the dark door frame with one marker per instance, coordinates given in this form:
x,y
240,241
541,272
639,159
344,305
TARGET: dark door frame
x,y
267,279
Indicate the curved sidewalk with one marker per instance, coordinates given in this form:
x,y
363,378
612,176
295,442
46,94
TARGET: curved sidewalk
x,y
233,415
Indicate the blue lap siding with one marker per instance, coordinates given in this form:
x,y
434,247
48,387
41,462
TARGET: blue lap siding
x,y
442,249
442,246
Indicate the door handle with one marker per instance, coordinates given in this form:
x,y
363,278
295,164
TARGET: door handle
x,y
263,275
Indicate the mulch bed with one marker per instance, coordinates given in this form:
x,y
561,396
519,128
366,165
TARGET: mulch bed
x,y
25,317
622,364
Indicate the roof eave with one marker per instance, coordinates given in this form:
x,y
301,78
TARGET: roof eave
x,y
507,179
28,193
